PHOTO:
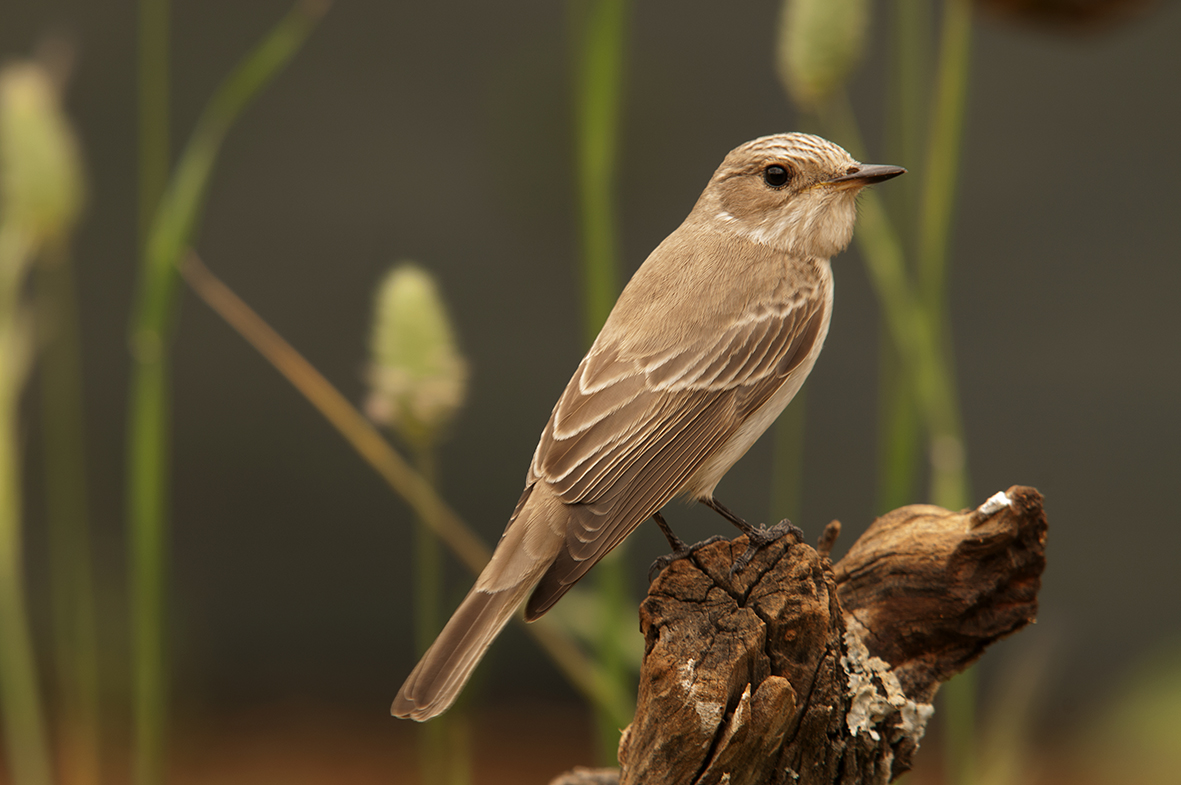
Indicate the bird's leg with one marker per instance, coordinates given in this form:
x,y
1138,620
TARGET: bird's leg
x,y
674,542
680,549
757,537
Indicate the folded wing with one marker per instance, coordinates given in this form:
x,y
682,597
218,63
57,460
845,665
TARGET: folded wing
x,y
629,432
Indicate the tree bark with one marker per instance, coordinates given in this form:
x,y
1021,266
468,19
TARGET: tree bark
x,y
796,670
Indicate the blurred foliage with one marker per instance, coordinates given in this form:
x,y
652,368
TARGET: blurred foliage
x,y
40,172
820,42
40,198
417,378
1137,737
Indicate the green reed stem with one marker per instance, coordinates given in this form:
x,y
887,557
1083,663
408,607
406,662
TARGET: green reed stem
x,y
428,563
601,30
428,577
900,431
941,168
174,224
949,474
25,739
443,752
900,425
72,583
146,477
787,461
909,90
916,334
599,90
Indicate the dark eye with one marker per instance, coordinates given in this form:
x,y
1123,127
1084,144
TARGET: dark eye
x,y
776,176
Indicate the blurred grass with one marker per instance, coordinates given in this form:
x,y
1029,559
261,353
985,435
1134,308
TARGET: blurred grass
x,y
41,194
1137,735
172,228
40,199
25,735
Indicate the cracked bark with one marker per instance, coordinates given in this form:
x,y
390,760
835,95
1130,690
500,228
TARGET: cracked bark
x,y
797,670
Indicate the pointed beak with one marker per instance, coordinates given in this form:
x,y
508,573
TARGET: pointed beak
x,y
869,174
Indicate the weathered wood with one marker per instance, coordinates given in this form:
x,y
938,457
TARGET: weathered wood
x,y
798,671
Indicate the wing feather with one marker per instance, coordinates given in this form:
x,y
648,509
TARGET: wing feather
x,y
630,432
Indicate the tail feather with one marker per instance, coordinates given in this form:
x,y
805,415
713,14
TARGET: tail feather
x,y
436,681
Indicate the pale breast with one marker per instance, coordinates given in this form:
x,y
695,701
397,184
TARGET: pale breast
x,y
702,484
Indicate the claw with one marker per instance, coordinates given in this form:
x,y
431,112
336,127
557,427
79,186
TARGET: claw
x,y
683,552
760,538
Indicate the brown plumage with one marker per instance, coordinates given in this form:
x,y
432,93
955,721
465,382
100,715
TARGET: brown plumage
x,y
707,344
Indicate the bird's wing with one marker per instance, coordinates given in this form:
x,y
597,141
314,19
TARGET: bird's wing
x,y
628,433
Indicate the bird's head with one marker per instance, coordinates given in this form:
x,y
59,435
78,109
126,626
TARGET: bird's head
x,y
793,192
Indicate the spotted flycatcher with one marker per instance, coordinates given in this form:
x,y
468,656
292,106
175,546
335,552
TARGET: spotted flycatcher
x,y
707,344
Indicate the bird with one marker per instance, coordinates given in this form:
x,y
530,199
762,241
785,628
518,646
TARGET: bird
x,y
706,345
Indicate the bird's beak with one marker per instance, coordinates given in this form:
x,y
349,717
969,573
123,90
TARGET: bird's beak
x,y
870,173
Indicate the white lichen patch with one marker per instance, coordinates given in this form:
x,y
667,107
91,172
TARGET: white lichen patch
x,y
876,694
997,502
709,712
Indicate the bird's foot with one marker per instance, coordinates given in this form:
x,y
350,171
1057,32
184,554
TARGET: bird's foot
x,y
682,552
760,538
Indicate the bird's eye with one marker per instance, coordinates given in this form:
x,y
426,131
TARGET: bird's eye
x,y
776,176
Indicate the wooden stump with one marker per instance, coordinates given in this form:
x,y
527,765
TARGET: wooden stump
x,y
796,670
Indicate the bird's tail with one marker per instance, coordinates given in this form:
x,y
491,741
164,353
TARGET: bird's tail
x,y
441,673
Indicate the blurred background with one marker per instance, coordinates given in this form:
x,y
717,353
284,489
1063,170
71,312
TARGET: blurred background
x,y
445,134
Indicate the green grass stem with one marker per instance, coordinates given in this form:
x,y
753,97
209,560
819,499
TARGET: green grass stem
x,y
959,697
433,763
443,753
787,461
900,431
917,335
941,168
909,91
172,228
25,738
949,475
600,32
428,564
900,426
